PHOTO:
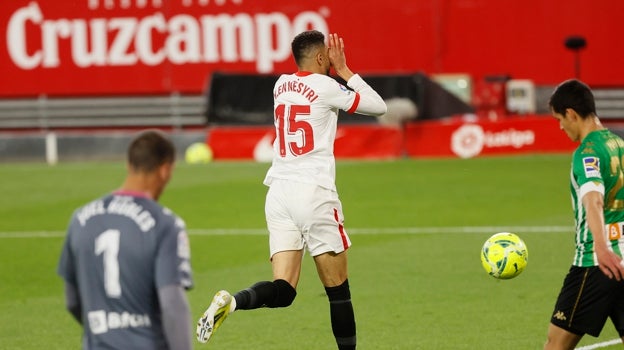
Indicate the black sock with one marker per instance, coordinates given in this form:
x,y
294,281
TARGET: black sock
x,y
342,316
255,296
278,293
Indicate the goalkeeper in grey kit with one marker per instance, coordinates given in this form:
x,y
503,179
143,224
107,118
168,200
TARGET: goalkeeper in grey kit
x,y
126,259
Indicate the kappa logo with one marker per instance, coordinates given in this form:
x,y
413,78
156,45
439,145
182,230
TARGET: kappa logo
x,y
560,316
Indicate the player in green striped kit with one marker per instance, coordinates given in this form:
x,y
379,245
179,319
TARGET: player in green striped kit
x,y
593,290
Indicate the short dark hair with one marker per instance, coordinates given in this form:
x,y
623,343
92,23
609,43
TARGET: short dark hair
x,y
573,94
304,42
149,150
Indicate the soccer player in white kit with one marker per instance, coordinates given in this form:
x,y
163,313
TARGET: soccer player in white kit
x,y
302,206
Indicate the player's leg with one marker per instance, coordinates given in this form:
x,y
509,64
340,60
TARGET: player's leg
x,y
277,293
286,245
328,241
584,303
214,316
332,270
286,248
617,313
560,339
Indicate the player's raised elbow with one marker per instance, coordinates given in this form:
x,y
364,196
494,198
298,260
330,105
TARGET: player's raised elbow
x,y
370,106
379,109
382,110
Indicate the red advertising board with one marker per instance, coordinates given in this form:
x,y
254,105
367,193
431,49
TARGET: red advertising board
x,y
116,47
472,138
457,137
354,141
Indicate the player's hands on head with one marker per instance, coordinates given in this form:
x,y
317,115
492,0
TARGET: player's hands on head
x,y
337,56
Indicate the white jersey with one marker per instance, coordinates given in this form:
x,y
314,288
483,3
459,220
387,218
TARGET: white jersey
x,y
306,114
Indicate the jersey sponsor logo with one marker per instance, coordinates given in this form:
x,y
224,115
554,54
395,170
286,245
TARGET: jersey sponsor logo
x,y
184,248
614,231
591,166
344,88
101,321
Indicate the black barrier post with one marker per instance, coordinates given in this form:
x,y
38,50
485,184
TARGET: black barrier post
x,y
576,44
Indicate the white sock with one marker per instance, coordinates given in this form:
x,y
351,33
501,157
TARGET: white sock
x,y
233,304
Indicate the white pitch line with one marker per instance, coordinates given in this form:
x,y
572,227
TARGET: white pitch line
x,y
603,344
370,231
357,231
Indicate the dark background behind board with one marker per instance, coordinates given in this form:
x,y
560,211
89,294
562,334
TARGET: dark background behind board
x,y
247,99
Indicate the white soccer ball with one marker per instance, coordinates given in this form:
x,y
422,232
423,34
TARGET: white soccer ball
x,y
504,255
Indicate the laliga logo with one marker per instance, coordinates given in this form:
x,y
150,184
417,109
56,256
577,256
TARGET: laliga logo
x,y
469,140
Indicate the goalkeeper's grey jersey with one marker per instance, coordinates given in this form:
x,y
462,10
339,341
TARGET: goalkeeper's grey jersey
x,y
119,250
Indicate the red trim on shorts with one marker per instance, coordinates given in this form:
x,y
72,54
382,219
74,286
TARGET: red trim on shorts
x,y
355,103
343,235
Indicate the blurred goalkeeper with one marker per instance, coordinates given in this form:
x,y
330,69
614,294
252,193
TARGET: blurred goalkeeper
x,y
302,206
126,259
593,289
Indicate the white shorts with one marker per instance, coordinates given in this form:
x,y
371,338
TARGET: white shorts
x,y
302,215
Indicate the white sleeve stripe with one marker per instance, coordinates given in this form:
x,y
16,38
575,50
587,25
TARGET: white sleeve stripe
x,y
591,187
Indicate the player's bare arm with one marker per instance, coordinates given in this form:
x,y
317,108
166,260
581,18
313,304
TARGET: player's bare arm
x,y
337,57
609,262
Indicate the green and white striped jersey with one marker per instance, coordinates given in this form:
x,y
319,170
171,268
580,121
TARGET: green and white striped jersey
x,y
597,166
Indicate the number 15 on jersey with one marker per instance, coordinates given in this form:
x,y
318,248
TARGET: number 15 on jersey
x,y
298,132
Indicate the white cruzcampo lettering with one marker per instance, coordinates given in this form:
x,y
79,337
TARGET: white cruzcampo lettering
x,y
123,205
81,53
153,39
16,33
52,33
222,30
270,50
182,44
90,210
143,43
120,54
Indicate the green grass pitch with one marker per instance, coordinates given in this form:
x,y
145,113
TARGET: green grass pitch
x,y
417,227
